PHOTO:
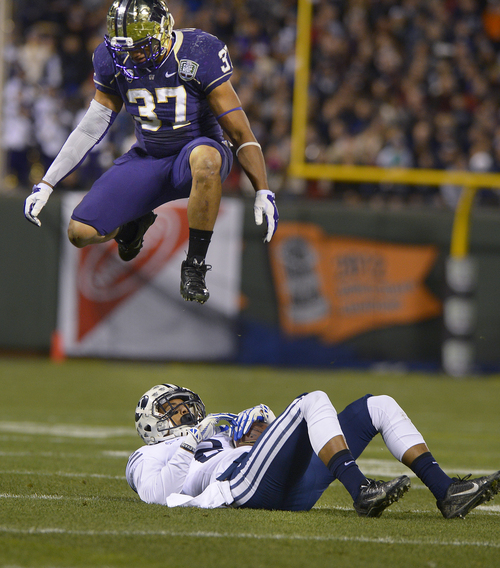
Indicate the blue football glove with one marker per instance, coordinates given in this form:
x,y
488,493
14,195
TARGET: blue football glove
x,y
245,419
210,425
36,202
265,205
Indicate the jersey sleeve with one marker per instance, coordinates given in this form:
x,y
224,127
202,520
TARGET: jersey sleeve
x,y
211,56
104,71
155,472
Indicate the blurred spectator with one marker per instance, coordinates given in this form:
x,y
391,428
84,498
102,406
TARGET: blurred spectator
x,y
405,83
38,58
76,67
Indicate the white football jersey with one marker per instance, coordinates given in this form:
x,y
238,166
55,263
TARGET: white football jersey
x,y
156,471
212,458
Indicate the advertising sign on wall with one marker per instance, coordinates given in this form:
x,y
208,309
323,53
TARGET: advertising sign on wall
x,y
111,308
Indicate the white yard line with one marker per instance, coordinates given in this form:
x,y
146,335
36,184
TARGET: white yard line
x,y
374,467
36,496
65,430
385,468
392,468
210,535
105,453
488,509
61,474
66,455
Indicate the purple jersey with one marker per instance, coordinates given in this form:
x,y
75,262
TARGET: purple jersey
x,y
169,105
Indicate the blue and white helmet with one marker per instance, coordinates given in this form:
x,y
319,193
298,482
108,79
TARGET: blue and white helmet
x,y
153,415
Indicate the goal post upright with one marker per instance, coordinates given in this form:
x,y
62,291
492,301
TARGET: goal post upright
x,y
300,107
461,270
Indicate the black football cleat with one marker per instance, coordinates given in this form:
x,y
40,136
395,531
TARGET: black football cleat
x,y
129,248
465,494
193,287
376,496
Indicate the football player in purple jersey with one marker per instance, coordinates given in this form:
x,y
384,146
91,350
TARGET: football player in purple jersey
x,y
176,85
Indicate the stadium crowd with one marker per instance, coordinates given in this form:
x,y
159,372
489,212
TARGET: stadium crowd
x,y
412,83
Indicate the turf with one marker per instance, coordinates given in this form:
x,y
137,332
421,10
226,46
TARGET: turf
x,y
66,431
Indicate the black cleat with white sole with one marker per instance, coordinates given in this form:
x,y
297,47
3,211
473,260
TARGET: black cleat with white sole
x,y
193,287
465,494
376,496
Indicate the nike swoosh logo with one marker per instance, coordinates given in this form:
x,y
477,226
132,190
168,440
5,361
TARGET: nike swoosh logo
x,y
348,463
167,75
469,491
375,497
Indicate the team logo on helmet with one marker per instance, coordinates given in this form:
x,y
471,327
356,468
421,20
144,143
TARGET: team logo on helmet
x,y
187,69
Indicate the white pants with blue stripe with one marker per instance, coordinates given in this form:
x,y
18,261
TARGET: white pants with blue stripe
x,y
283,471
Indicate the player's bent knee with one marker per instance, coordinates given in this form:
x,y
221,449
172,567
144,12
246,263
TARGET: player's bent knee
x,y
385,412
316,400
205,162
79,234
383,401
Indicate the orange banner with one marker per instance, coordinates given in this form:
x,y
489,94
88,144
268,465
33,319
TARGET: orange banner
x,y
338,288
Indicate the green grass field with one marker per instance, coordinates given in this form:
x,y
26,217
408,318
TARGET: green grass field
x,y
67,429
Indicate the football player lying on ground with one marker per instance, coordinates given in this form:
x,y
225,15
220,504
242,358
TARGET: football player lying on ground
x,y
176,85
283,463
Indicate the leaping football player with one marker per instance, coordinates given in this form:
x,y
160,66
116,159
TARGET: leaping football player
x,y
176,85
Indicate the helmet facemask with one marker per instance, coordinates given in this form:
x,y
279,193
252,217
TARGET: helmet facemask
x,y
155,413
138,35
164,410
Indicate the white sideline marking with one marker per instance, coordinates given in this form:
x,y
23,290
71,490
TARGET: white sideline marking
x,y
62,474
65,430
374,467
106,453
487,509
47,497
393,468
116,454
203,534
371,467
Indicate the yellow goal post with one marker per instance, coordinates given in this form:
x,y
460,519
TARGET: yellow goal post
x,y
299,168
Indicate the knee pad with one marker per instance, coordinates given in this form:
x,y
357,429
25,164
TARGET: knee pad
x,y
397,430
321,417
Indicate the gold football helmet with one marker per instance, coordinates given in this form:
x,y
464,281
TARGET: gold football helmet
x,y
139,27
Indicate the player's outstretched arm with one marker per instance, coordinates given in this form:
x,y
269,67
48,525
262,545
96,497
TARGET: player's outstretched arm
x,y
226,106
92,128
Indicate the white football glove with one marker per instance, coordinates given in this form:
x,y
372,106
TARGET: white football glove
x,y
191,437
36,202
265,204
210,425
245,419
